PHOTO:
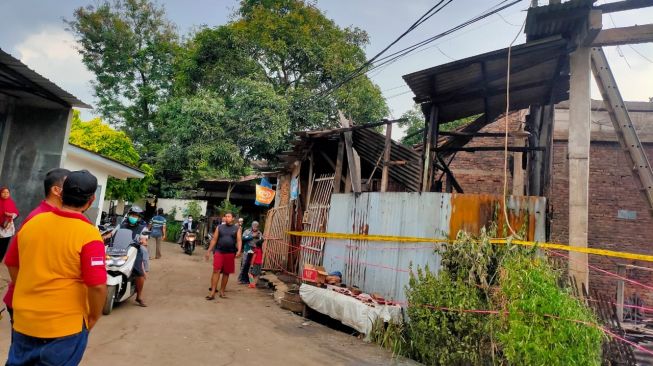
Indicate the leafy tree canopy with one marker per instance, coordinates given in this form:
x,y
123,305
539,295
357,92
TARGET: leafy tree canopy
x,y
129,45
98,137
292,46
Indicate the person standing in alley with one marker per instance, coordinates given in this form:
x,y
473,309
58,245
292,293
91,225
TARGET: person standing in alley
x,y
8,212
249,236
225,246
58,267
53,187
158,229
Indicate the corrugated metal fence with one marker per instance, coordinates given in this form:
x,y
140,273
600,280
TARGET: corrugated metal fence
x,y
383,267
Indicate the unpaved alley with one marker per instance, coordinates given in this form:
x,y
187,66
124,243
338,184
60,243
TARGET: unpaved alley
x,y
181,328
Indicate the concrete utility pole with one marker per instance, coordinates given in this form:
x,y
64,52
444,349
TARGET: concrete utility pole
x,y
578,150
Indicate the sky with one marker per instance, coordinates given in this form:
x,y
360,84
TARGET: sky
x,y
34,31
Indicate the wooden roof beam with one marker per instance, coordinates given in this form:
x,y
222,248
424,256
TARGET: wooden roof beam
x,y
624,35
624,5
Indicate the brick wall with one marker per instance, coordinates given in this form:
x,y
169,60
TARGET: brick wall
x,y
482,171
612,188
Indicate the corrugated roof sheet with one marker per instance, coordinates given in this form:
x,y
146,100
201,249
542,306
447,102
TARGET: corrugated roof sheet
x,y
539,74
554,19
19,81
369,144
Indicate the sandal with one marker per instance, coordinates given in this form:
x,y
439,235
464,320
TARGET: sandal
x,y
141,303
223,296
209,298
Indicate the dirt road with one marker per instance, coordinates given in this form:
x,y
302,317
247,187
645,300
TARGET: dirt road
x,y
181,328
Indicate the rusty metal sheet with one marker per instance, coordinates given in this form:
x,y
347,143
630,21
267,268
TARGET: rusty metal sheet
x,y
471,212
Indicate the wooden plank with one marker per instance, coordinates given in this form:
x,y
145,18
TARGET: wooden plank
x,y
338,168
621,271
386,157
351,161
624,5
426,172
492,148
624,35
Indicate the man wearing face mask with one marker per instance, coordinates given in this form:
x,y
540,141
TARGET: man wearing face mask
x,y
187,226
53,186
137,226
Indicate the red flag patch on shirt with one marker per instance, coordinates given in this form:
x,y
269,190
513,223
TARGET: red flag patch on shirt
x,y
97,261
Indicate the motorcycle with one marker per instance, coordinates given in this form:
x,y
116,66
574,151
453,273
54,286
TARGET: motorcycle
x,y
189,242
120,258
207,240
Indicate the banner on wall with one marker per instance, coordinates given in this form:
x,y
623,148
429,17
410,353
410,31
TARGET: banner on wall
x,y
264,195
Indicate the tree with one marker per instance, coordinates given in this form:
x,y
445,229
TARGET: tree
x,y
415,124
295,48
98,137
129,45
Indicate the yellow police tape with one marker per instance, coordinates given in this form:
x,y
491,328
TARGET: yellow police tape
x,y
407,239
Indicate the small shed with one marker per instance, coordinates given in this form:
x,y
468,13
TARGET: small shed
x,y
35,118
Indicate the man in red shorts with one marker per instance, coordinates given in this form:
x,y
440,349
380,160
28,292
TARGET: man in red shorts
x,y
225,246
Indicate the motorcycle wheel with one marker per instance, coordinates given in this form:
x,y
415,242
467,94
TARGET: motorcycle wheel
x,y
108,302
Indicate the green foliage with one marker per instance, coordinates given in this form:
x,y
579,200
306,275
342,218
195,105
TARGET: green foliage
x,y
171,216
529,288
533,321
226,206
294,48
129,45
193,208
173,230
446,337
392,335
98,137
415,124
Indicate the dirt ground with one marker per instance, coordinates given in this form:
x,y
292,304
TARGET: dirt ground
x,y
181,328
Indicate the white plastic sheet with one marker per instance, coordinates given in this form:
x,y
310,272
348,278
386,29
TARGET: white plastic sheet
x,y
347,309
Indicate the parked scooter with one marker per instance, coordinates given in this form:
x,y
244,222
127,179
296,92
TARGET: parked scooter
x,y
189,242
120,259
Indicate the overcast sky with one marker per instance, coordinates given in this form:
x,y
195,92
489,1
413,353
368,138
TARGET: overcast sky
x,y
34,32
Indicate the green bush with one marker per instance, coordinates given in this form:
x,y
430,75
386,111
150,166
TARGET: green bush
x,y
533,321
441,337
173,230
538,330
193,208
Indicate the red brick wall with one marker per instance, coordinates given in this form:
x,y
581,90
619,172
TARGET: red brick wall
x,y
612,188
482,171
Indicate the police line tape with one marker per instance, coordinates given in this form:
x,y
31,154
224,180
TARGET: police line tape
x,y
407,239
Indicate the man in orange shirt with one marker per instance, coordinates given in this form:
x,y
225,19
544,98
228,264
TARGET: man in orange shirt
x,y
53,185
60,280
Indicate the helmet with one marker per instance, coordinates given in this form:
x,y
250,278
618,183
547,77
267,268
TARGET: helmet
x,y
135,210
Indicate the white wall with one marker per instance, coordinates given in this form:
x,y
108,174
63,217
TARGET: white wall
x,y
73,163
167,204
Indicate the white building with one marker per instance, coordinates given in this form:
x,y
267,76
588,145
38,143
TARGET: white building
x,y
77,158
